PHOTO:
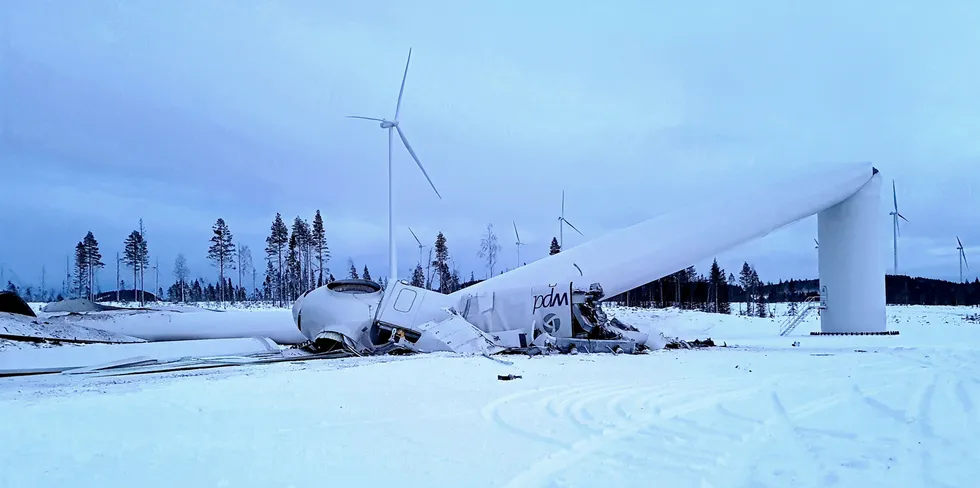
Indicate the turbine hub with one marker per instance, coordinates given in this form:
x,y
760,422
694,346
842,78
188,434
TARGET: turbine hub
x,y
387,124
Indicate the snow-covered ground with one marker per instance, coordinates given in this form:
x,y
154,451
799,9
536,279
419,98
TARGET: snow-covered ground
x,y
832,411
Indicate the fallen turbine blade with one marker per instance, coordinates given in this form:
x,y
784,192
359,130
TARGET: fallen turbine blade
x,y
572,226
401,90
364,118
416,158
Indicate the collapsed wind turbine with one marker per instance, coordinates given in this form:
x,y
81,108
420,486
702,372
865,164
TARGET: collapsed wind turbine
x,y
561,224
389,125
519,244
895,232
962,257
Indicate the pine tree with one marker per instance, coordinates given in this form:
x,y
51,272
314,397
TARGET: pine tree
x,y
418,276
454,284
270,279
302,234
136,256
293,269
747,284
555,247
93,261
352,273
145,261
222,252
320,247
81,271
274,251
792,298
716,278
441,262
367,274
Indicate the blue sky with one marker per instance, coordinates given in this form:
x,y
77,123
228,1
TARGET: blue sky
x,y
181,112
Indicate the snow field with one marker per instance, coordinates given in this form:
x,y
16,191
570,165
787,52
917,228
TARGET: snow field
x,y
764,413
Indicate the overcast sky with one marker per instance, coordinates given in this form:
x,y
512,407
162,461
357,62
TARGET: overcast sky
x,y
181,112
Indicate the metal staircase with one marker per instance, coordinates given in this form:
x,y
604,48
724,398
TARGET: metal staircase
x,y
807,306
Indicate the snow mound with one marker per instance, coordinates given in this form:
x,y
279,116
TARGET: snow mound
x,y
76,305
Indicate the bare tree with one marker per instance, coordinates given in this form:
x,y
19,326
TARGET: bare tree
x,y
245,264
181,273
489,249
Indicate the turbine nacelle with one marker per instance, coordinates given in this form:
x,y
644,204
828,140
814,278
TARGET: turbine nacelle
x,y
387,124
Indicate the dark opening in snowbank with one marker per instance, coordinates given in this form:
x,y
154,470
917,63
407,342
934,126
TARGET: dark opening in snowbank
x,y
13,303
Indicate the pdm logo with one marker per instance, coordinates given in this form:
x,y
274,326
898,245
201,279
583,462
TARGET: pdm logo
x,y
551,299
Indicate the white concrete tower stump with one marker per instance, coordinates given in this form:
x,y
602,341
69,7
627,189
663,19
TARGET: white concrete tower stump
x,y
852,275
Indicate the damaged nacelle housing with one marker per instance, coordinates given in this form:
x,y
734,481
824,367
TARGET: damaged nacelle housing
x,y
357,316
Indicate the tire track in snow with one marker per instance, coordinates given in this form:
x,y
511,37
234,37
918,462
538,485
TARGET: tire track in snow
x,y
491,413
745,460
540,472
964,398
741,464
916,422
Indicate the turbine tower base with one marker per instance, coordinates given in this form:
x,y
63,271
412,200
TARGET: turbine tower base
x,y
852,276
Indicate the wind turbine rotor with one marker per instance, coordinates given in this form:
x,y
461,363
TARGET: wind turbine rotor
x,y
962,252
894,196
398,105
415,236
572,226
416,158
366,118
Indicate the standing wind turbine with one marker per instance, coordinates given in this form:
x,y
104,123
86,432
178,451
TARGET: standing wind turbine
x,y
420,244
815,241
389,125
561,224
962,258
895,232
519,244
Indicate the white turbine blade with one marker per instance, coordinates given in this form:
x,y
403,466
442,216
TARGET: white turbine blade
x,y
815,241
401,90
416,158
903,217
894,196
415,236
572,226
959,242
963,254
516,234
364,118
